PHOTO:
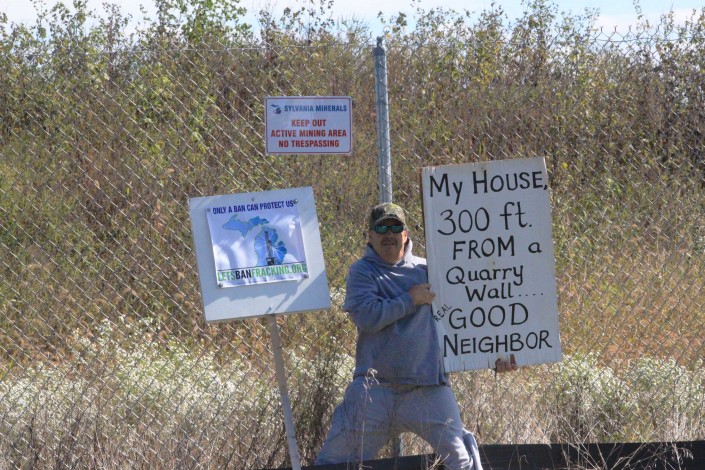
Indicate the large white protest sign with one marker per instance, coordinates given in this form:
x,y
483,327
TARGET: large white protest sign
x,y
259,253
308,124
490,260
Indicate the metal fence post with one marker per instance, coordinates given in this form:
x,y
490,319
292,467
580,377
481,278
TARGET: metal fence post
x,y
384,154
384,157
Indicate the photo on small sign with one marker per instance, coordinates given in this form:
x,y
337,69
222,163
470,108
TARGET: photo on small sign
x,y
257,243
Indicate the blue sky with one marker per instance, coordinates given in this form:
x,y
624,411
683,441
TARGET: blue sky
x,y
614,14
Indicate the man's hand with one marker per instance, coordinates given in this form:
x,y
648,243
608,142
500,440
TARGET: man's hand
x,y
503,365
421,294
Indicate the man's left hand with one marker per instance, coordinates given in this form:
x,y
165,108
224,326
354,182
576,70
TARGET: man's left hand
x,y
504,365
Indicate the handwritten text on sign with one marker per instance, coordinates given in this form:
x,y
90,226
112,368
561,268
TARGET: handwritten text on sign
x,y
490,261
308,124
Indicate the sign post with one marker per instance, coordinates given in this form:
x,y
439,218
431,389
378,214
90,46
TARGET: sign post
x,y
490,260
284,393
260,254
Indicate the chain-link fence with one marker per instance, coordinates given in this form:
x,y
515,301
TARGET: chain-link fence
x,y
105,360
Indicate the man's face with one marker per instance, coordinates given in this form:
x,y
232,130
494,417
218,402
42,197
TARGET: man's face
x,y
389,246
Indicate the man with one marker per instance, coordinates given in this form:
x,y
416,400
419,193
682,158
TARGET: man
x,y
398,384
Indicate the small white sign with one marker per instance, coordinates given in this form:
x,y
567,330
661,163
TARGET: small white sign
x,y
490,260
308,124
259,254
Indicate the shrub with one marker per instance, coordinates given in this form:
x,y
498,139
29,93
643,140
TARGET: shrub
x,y
670,399
590,402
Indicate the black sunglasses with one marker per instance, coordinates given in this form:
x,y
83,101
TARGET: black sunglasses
x,y
382,229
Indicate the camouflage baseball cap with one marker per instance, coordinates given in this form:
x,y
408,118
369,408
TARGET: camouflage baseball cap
x,y
385,211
